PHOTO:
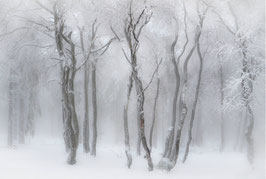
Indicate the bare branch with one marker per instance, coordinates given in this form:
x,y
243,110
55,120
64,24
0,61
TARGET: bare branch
x,y
126,56
45,8
156,69
224,23
104,47
13,31
117,37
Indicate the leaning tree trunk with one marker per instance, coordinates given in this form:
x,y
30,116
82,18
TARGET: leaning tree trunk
x,y
154,112
194,108
140,108
126,131
94,109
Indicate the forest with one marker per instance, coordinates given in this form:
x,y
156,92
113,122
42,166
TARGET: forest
x,y
132,88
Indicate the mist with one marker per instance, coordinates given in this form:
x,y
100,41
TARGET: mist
x,y
134,88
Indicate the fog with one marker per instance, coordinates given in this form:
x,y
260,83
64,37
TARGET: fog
x,y
161,85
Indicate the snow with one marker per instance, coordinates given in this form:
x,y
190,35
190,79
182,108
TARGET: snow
x,y
47,160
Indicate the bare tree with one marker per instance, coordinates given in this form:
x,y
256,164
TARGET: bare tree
x,y
66,50
133,26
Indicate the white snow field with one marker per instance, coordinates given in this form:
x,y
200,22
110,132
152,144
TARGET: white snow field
x,y
48,161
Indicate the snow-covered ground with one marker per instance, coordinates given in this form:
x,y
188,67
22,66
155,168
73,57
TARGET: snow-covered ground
x,y
39,161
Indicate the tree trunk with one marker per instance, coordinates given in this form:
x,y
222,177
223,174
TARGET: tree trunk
x,y
126,131
194,108
31,113
86,132
71,127
21,124
94,109
246,94
11,109
249,134
171,130
154,112
140,108
183,107
183,114
138,138
222,102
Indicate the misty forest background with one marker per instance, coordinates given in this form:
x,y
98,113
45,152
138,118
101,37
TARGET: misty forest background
x,y
146,75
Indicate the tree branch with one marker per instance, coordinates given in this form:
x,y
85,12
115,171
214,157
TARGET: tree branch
x,y
156,69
